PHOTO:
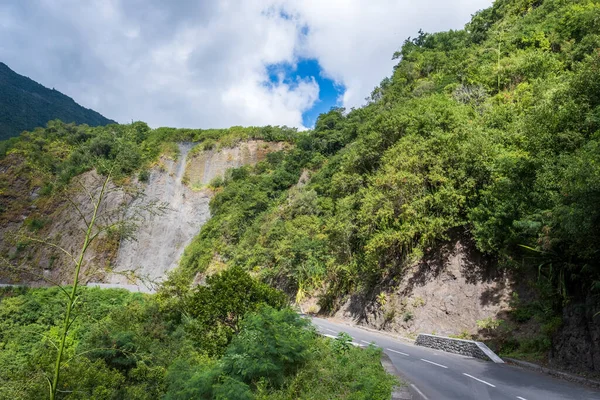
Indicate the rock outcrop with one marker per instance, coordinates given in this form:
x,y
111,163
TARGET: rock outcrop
x,y
161,238
446,292
204,166
171,208
576,345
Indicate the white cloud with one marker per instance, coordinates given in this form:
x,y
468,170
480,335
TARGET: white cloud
x,y
201,63
354,40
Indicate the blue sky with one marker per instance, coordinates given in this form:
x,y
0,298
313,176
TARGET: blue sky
x,y
329,92
202,63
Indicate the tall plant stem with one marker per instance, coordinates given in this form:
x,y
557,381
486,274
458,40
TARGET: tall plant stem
x,y
72,296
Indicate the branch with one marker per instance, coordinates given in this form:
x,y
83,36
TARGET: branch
x,y
127,353
42,335
106,228
50,244
37,275
81,215
89,194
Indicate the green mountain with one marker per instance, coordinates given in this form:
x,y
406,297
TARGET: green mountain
x,y
480,152
489,134
25,105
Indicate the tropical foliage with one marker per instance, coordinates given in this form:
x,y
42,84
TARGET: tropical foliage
x,y
492,131
133,346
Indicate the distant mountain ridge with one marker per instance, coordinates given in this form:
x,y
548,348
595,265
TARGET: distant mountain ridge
x,y
25,105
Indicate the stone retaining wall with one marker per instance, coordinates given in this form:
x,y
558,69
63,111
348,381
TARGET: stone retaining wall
x,y
469,348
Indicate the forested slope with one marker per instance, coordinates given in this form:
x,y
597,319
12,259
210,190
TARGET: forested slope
x,y
492,131
231,338
25,105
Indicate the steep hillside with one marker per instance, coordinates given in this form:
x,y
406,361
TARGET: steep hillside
x,y
25,105
161,183
183,186
461,199
483,142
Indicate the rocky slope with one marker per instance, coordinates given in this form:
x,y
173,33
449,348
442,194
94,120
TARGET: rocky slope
x,y
168,212
203,167
447,292
159,241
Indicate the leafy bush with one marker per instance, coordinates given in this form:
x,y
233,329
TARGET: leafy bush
x,y
144,175
356,374
489,323
342,343
272,344
218,307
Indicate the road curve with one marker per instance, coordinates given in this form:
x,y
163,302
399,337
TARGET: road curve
x,y
437,375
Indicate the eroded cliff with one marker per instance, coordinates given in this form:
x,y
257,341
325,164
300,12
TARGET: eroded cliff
x,y
168,209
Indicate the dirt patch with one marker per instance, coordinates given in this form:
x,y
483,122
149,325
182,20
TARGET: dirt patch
x,y
452,288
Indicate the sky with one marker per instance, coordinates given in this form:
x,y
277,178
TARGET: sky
x,y
216,63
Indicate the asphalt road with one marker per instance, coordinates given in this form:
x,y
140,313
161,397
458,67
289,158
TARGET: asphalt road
x,y
437,375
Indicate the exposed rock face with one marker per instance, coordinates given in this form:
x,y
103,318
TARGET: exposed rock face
x,y
445,293
38,260
577,343
161,238
67,229
207,165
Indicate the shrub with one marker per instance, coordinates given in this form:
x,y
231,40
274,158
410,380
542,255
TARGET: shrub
x,y
144,175
218,307
489,323
354,374
34,224
389,315
272,344
342,343
209,144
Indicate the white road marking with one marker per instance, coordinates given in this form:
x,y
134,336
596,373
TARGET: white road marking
x,y
399,352
521,398
479,380
364,341
431,362
334,337
418,391
329,330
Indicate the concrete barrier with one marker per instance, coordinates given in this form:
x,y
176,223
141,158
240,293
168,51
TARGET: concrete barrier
x,y
459,346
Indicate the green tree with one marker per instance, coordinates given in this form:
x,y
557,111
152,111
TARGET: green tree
x,y
218,308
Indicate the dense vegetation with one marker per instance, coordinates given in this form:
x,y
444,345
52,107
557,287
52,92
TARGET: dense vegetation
x,y
231,338
492,131
25,105
132,346
61,151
